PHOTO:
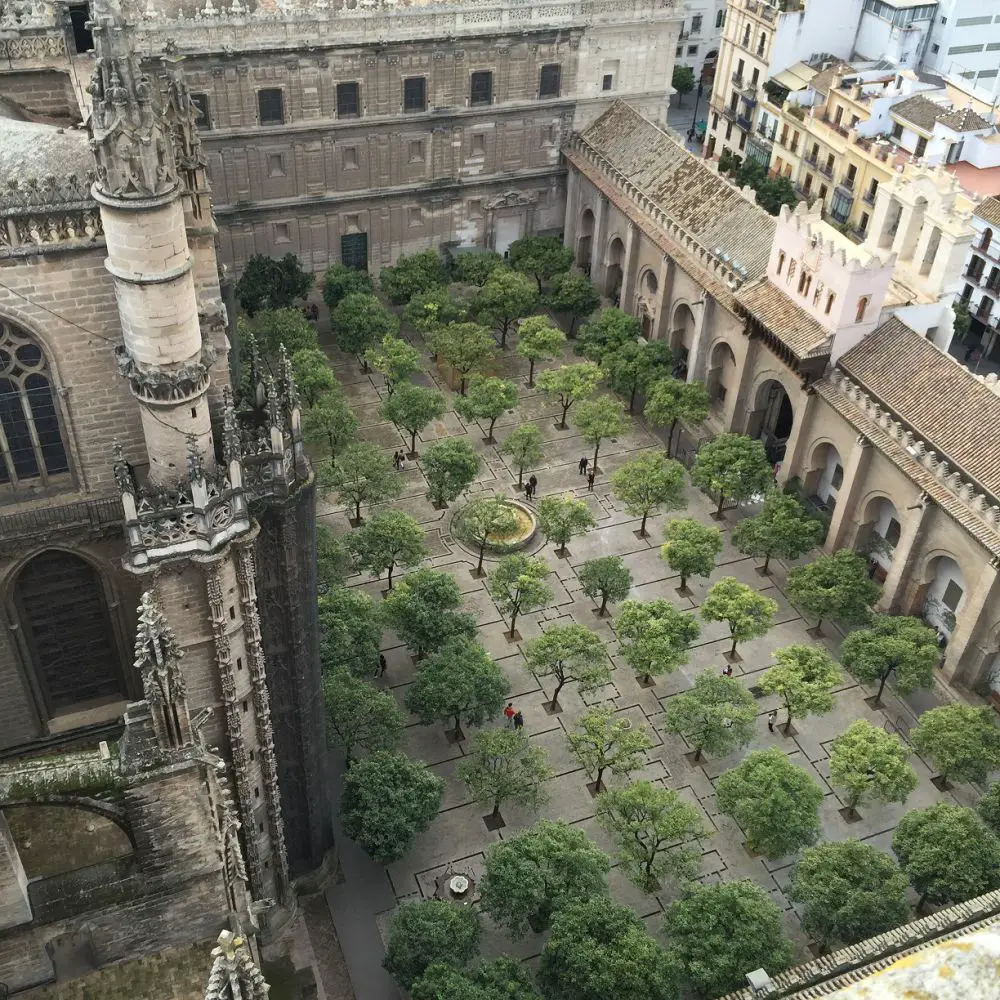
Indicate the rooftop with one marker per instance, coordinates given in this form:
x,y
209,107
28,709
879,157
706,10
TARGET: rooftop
x,y
964,120
919,111
31,149
684,188
989,211
940,400
981,181
790,323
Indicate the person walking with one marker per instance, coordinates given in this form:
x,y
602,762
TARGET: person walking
x,y
508,714
528,491
382,665
772,718
534,485
590,479
583,464
518,720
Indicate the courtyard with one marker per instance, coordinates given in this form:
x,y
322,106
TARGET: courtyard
x,y
364,902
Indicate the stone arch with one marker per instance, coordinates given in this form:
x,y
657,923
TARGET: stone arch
x,y
585,239
879,531
614,260
893,216
723,375
34,443
824,473
682,329
933,245
647,301
61,603
942,589
772,417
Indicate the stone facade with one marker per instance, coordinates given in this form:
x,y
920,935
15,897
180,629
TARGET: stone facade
x,y
805,346
369,132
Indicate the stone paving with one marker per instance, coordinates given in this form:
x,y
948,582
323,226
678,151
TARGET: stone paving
x,y
458,837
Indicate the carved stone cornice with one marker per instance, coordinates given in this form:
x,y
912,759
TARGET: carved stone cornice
x,y
175,385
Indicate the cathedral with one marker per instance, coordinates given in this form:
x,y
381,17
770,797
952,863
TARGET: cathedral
x,y
159,667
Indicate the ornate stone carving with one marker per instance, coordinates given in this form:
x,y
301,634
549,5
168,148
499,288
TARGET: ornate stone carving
x,y
178,384
130,132
157,658
234,975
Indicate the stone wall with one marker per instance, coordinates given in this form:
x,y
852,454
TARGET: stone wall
x,y
47,93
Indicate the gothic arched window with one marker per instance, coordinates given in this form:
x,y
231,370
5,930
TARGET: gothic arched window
x,y
31,444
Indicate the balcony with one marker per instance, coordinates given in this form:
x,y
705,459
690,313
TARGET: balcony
x,y
826,169
744,122
738,80
869,196
98,515
811,160
983,311
847,185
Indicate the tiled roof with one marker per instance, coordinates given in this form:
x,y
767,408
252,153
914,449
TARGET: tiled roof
x,y
919,110
964,120
790,323
684,188
942,402
989,211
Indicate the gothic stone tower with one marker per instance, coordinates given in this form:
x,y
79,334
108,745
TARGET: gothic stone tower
x,y
189,528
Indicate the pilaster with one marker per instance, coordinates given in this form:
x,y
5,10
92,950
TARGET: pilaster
x,y
597,249
903,558
629,268
703,321
968,618
847,496
794,446
666,284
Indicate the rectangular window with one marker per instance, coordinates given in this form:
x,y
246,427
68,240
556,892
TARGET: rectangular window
x,y
348,100
720,16
350,157
892,532
415,151
479,144
415,218
282,233
548,80
354,248
838,477
608,79
897,130
415,94
481,89
952,596
921,147
200,101
696,24
475,209
692,50
271,106
822,192
275,165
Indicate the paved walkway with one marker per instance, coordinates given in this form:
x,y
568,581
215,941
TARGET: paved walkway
x,y
363,905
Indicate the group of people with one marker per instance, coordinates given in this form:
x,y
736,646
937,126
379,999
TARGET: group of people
x,y
591,476
513,717
398,460
530,487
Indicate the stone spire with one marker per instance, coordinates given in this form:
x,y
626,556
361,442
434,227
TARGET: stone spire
x,y
130,135
157,658
234,974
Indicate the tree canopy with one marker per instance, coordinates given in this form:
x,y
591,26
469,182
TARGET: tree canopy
x,y
476,268
607,578
387,800
423,610
568,653
633,366
690,548
890,644
733,466
834,586
948,853
341,281
569,383
467,347
682,81
524,445
434,308
868,762
330,423
538,340
482,520
601,742
505,298
273,329
653,829
804,678
394,359
411,408
654,636
717,714
606,332
270,283
851,892
774,802
542,257
574,295
313,375
517,584
562,517
450,467
783,528
648,484
530,877
962,740
359,715
487,400
671,400
599,418
748,613
387,540
362,475
505,766
718,933
411,275
360,321
597,950
458,681
349,631
427,932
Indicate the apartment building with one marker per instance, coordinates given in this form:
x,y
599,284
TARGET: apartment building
x,y
700,37
965,41
981,281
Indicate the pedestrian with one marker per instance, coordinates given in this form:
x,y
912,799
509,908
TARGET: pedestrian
x,y
397,460
508,714
518,720
968,352
381,664
534,485
590,479
727,671
583,464
527,491
772,718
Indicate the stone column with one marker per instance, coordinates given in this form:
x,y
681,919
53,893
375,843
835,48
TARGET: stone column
x,y
880,216
703,321
847,497
793,449
910,222
15,908
968,618
629,268
903,558
597,249
572,197
666,280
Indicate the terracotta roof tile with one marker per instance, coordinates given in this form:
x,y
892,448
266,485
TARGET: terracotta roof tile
x,y
964,120
989,211
789,322
919,110
943,403
683,187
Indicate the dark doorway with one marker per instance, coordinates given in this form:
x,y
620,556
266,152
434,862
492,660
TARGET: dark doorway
x,y
79,16
68,631
354,251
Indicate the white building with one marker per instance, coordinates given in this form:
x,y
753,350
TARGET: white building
x,y
981,276
701,35
895,31
965,41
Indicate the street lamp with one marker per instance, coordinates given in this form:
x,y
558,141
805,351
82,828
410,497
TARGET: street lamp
x,y
697,98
